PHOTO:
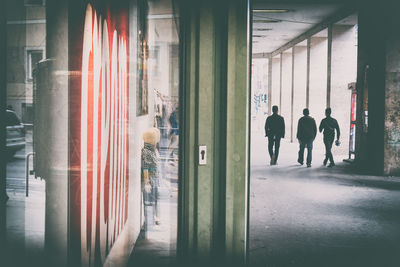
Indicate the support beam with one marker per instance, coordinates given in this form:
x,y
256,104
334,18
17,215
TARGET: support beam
x,y
261,55
292,98
3,105
280,83
308,72
270,85
329,68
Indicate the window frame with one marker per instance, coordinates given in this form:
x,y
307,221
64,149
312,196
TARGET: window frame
x,y
28,60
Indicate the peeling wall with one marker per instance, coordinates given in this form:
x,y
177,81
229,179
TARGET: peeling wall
x,y
392,108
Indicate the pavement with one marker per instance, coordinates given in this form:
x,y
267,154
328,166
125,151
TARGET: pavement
x,y
320,216
156,244
25,216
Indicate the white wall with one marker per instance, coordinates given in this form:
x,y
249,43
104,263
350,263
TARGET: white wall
x,y
344,71
276,72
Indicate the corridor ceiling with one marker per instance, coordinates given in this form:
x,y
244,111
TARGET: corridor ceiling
x,y
271,30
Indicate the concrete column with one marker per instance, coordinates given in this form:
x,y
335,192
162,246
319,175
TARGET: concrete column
x,y
280,80
299,86
275,80
308,72
286,90
372,32
237,138
292,98
318,78
329,67
3,105
270,85
54,114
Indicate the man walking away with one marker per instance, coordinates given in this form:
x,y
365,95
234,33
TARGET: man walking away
x,y
306,132
275,130
328,125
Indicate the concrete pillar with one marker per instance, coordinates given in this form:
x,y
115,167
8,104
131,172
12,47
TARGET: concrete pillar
x,y
308,72
269,85
276,80
299,86
371,87
237,132
318,79
55,113
286,90
329,67
3,105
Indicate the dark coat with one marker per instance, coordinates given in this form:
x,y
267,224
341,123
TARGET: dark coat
x,y
275,126
328,125
306,129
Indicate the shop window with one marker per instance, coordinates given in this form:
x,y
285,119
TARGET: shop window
x,y
33,56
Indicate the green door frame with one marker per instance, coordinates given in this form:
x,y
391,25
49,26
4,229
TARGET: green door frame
x,y
214,100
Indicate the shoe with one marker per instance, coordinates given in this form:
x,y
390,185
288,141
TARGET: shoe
x,y
325,161
308,165
301,163
331,165
272,162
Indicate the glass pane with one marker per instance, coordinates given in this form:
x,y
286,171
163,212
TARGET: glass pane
x,y
158,74
25,208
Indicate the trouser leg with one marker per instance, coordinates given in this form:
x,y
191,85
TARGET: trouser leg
x,y
270,146
328,147
309,152
301,153
277,145
155,195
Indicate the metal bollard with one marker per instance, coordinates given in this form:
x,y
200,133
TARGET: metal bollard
x,y
27,172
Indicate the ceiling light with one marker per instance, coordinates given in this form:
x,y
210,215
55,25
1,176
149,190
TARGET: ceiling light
x,y
266,20
270,10
262,29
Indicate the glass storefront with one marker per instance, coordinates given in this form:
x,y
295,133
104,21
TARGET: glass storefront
x,y
92,132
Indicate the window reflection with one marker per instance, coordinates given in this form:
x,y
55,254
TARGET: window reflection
x,y
158,74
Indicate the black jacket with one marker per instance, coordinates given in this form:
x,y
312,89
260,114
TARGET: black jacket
x,y
329,125
275,126
306,129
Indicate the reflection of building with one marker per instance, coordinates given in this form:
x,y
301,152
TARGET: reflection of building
x,y
26,29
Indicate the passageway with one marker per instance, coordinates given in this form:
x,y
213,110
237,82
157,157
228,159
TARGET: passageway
x,y
305,56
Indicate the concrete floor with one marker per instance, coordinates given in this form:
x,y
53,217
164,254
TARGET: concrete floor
x,y
25,216
321,216
157,245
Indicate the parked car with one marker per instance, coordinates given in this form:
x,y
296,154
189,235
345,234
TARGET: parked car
x,y
15,133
